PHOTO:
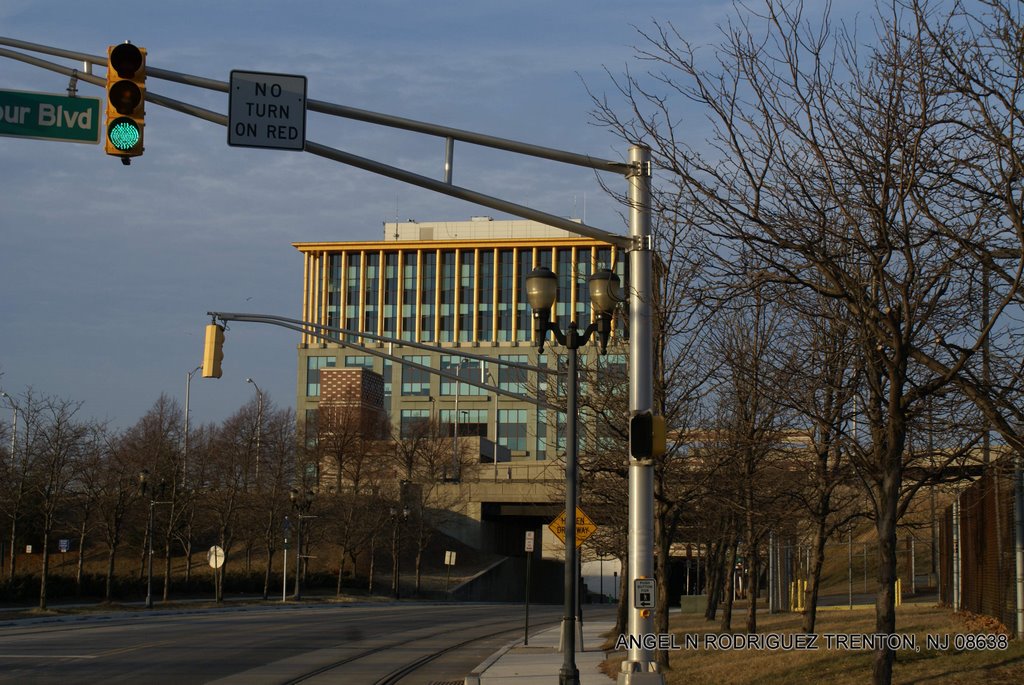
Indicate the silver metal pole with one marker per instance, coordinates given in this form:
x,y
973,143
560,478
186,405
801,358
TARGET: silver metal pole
x,y
956,553
188,393
639,666
149,563
849,564
1018,515
913,569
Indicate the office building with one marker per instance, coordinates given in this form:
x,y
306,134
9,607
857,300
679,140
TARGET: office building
x,y
455,287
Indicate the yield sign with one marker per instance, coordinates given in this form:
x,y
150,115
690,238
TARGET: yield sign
x,y
584,527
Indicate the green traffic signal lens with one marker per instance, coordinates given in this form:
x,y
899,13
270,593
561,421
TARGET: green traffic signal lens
x,y
124,134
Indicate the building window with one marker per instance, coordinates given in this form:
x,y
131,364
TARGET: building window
x,y
334,292
428,291
386,373
512,429
408,296
565,279
416,382
466,369
524,323
542,434
414,423
312,428
363,361
485,308
446,301
583,271
313,366
472,422
352,291
511,378
372,271
467,291
505,307
390,295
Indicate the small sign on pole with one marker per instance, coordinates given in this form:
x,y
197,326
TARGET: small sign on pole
x,y
529,541
643,593
449,561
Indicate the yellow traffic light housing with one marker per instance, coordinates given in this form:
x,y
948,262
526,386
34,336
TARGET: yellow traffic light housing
x,y
126,101
213,351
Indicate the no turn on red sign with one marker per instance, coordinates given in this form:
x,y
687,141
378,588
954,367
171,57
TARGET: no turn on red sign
x,y
267,110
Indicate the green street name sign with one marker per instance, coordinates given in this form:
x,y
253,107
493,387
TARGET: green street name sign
x,y
49,117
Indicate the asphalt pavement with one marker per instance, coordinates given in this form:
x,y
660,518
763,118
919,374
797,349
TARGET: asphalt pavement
x,y
540,661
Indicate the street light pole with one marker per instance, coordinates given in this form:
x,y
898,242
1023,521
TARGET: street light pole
x,y
259,426
188,394
145,488
14,422
287,526
14,447
541,292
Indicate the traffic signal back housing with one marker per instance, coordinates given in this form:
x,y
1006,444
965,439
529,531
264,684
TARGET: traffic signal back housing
x,y
213,351
126,101
647,438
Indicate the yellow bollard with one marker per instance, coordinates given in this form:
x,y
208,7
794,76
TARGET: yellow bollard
x,y
899,592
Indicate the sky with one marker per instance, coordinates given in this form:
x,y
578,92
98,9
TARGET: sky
x,y
107,271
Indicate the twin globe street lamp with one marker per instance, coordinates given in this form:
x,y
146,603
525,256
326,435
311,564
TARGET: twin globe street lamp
x,y
146,488
541,293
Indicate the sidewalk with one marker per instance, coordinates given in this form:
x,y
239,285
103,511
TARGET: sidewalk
x,y
540,662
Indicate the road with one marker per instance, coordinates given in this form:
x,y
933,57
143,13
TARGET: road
x,y
260,645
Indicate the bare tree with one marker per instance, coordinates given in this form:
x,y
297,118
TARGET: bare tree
x,y
819,374
835,167
59,447
118,477
19,471
154,444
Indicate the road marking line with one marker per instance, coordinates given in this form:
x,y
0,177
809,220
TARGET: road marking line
x,y
47,656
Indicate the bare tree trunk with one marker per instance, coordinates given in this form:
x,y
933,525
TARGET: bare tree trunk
x,y
753,553
811,612
46,567
885,603
14,545
167,567
80,563
730,579
373,559
266,574
341,571
108,587
714,578
622,610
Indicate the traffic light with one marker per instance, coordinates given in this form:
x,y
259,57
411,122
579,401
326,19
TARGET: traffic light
x,y
213,350
647,435
126,101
